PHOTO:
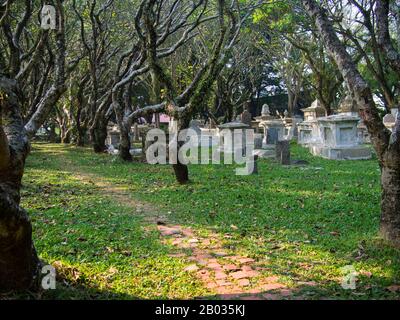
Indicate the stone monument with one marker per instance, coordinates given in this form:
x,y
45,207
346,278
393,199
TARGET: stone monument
x,y
339,139
266,113
274,130
349,107
246,118
308,130
113,137
237,131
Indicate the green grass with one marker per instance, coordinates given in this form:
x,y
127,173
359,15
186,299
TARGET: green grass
x,y
300,223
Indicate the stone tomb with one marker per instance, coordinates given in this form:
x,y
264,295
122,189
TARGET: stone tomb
x,y
236,129
308,130
339,139
113,137
274,131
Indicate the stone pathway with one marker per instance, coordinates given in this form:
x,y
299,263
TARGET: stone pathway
x,y
225,275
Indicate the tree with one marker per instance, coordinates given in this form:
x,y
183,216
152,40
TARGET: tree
x,y
359,28
18,259
182,106
100,45
289,38
386,144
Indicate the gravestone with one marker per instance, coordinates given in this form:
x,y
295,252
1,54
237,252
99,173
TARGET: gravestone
x,y
349,107
339,139
272,136
258,141
283,152
246,118
308,130
265,112
113,138
316,110
195,125
237,131
136,132
274,130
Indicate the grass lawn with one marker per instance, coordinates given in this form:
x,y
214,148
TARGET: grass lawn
x,y
302,224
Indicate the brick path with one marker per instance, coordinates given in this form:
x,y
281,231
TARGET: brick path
x,y
227,276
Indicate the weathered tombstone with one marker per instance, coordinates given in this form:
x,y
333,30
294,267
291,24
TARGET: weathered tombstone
x,y
272,136
308,130
195,125
283,152
237,132
258,141
113,138
246,118
315,111
265,112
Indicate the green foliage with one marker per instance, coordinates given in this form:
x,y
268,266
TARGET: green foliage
x,y
279,16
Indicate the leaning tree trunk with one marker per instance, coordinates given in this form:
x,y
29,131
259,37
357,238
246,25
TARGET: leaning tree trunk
x,y
390,206
19,263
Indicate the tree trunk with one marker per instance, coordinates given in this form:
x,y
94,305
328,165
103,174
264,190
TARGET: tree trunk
x,y
386,144
290,102
181,173
390,206
80,138
19,263
65,134
181,170
99,136
124,144
18,260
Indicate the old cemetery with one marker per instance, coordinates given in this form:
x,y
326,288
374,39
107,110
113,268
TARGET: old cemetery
x,y
199,150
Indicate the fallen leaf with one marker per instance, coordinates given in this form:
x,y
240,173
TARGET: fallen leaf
x,y
394,288
191,268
